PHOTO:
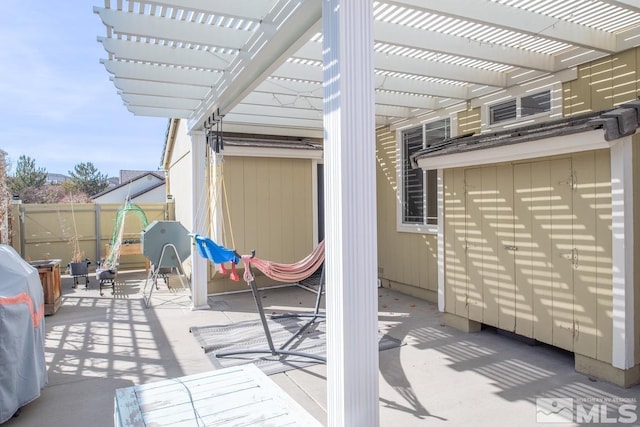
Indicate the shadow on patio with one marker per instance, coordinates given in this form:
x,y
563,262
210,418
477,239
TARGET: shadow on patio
x,y
441,376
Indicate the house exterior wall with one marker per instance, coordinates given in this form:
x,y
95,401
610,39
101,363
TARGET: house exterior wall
x,y
603,84
266,204
406,261
179,176
469,121
528,244
157,195
268,207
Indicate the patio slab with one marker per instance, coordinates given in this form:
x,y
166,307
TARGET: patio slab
x,y
441,376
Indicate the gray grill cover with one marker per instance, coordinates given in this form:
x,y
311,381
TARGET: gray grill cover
x,y
24,371
160,233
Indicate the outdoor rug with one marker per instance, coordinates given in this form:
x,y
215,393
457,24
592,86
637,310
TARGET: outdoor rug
x,y
250,335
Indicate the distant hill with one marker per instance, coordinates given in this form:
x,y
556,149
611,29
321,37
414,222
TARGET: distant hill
x,y
56,178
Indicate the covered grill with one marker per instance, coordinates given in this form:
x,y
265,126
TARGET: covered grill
x,y
24,371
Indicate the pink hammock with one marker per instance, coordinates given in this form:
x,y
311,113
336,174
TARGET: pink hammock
x,y
287,273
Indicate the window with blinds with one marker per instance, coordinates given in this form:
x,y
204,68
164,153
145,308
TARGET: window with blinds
x,y
419,187
503,111
525,106
413,179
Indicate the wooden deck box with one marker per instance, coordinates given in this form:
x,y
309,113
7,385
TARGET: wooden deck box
x,y
49,271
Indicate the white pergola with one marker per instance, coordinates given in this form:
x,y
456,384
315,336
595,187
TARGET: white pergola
x,y
336,69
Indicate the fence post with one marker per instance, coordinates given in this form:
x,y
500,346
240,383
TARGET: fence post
x,y
22,233
97,233
14,226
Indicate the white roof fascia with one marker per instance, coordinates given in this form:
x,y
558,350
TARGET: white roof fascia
x,y
272,121
262,129
563,144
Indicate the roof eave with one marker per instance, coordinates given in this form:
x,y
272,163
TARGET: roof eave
x,y
562,144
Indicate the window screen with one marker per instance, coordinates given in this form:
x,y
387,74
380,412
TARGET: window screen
x,y
535,104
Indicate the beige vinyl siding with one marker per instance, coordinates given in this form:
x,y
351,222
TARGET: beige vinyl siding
x,y
179,177
528,249
404,259
455,222
469,121
270,202
266,206
603,83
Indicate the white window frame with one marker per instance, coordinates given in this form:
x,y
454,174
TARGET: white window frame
x,y
424,227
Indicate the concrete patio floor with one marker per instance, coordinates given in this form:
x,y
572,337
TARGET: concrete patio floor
x,y
440,376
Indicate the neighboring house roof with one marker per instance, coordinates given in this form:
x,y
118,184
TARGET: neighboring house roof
x,y
129,175
616,123
146,190
160,181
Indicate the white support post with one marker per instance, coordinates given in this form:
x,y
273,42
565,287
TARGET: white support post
x,y
622,253
199,215
441,251
350,212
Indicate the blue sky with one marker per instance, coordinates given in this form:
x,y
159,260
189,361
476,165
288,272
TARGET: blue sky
x,y
57,104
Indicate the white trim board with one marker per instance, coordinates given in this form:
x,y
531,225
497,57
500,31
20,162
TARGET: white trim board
x,y
564,144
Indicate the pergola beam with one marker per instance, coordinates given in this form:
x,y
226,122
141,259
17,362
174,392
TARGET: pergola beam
x,y
170,90
460,46
264,51
159,101
163,54
158,112
238,9
156,27
155,73
417,66
520,21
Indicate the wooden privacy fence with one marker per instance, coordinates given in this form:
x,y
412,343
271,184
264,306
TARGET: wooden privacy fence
x,y
46,231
